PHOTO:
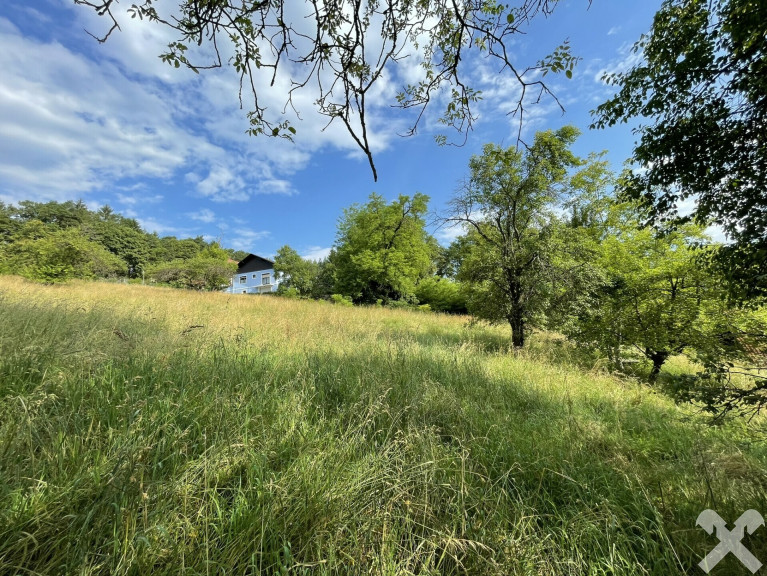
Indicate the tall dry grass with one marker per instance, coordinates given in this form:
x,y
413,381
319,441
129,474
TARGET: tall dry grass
x,y
154,431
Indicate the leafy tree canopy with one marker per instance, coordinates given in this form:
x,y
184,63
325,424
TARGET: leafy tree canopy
x,y
210,269
656,299
56,255
655,295
55,241
701,92
442,295
517,256
382,250
295,272
59,214
339,51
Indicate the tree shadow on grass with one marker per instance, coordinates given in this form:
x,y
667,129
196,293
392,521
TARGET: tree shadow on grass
x,y
597,475
404,458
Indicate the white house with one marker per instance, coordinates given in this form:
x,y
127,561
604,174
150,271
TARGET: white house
x,y
255,275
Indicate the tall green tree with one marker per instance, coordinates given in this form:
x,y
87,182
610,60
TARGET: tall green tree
x,y
324,283
658,300
382,250
123,237
340,51
8,223
295,272
514,257
655,294
56,214
700,92
171,248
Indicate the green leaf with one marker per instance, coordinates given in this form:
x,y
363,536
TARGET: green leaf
x,y
569,73
510,18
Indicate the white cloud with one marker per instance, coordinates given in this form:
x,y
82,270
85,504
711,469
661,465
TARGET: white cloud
x,y
276,186
71,125
501,94
84,118
205,215
223,184
627,59
613,31
246,239
448,233
315,253
134,199
68,126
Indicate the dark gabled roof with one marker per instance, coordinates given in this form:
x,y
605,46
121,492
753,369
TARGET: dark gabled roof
x,y
254,263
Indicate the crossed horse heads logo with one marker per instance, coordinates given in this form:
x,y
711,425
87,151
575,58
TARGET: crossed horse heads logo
x,y
730,540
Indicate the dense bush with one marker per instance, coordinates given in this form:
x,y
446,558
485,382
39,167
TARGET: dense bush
x,y
442,295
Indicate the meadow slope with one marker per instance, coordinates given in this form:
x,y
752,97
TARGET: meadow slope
x,y
155,431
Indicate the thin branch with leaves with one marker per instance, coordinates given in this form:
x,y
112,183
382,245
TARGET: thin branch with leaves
x,y
343,48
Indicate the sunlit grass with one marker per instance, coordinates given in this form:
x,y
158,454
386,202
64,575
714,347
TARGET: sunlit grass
x,y
147,430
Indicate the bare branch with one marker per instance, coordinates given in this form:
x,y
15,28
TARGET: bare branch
x,y
102,8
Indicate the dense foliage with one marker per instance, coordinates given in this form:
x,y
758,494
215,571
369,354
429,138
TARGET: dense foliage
x,y
382,250
515,256
295,274
58,241
654,297
700,92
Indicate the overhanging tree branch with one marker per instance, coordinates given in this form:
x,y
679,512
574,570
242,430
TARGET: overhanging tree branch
x,y
326,49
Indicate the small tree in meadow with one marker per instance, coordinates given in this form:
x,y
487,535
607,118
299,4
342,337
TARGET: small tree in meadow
x,y
516,258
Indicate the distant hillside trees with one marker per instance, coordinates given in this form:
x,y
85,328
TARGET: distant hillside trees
x,y
57,241
123,237
48,254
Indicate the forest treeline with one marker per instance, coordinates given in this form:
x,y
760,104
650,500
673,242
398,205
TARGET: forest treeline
x,y
58,241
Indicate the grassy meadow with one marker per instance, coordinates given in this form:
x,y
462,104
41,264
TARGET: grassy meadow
x,y
155,431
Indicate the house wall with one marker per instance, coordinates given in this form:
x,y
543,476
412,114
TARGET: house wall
x,y
254,282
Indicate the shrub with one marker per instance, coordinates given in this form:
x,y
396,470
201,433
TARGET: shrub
x,y
442,295
290,292
341,300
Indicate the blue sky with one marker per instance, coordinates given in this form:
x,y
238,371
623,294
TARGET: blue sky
x,y
112,124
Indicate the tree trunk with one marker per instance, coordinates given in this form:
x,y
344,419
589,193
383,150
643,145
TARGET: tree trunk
x,y
658,358
517,323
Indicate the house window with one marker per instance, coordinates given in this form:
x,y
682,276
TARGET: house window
x,y
243,279
244,291
254,276
266,279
